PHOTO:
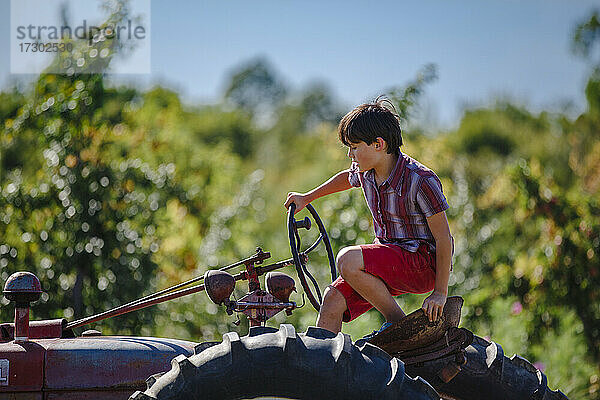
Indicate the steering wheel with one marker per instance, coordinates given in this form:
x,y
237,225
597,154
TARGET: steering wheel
x,y
301,258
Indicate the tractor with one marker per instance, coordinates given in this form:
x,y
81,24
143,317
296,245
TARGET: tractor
x,y
415,359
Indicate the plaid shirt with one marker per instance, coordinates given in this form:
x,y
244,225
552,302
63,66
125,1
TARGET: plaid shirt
x,y
401,204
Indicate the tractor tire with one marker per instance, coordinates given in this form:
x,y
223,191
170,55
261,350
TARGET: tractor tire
x,y
279,362
488,374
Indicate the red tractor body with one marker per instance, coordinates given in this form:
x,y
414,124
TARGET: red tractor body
x,y
52,364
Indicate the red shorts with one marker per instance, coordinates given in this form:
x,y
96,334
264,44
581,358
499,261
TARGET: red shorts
x,y
401,270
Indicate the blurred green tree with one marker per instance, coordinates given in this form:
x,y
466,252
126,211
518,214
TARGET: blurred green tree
x,y
586,36
255,87
83,222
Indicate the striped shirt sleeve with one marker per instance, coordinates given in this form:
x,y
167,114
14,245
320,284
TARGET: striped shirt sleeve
x,y
430,196
353,177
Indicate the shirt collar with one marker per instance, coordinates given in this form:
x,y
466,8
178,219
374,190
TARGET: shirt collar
x,y
395,178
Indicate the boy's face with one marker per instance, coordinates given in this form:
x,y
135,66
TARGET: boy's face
x,y
366,155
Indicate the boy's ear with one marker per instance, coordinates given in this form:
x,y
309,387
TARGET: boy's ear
x,y
380,143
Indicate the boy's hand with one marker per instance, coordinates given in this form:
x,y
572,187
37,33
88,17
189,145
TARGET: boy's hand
x,y
434,305
300,199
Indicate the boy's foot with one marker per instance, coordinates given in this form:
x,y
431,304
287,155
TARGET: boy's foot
x,y
377,332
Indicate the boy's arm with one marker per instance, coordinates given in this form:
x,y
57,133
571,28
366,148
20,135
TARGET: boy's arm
x,y
336,183
434,304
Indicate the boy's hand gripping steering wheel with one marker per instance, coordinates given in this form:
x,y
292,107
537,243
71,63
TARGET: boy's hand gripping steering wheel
x,y
300,258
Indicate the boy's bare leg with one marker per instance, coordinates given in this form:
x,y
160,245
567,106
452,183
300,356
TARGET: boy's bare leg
x,y
332,310
350,263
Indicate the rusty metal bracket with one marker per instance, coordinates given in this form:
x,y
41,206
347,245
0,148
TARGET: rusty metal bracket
x,y
259,306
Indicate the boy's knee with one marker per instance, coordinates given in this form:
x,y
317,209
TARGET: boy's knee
x,y
333,301
349,261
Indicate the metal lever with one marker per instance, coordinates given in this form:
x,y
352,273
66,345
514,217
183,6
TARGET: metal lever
x,y
305,223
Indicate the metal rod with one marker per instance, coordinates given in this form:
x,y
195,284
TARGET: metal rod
x,y
193,280
152,299
315,244
130,306
254,304
161,295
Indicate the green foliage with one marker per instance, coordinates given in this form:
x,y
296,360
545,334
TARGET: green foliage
x,y
255,87
83,221
91,198
586,35
480,134
592,93
568,273
405,98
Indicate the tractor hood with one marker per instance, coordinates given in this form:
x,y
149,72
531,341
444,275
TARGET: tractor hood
x,y
108,362
101,366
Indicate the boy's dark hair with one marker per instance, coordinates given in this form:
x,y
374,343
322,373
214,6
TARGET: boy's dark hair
x,y
369,121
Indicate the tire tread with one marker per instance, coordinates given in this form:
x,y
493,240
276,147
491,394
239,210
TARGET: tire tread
x,y
313,365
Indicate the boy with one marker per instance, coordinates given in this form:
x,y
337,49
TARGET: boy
x,y
413,247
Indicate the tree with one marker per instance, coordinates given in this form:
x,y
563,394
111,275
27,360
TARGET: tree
x,y
255,87
586,36
83,222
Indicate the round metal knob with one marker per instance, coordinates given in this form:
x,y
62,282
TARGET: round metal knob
x,y
23,287
304,223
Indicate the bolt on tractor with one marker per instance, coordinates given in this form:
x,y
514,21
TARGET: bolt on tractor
x,y
414,359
